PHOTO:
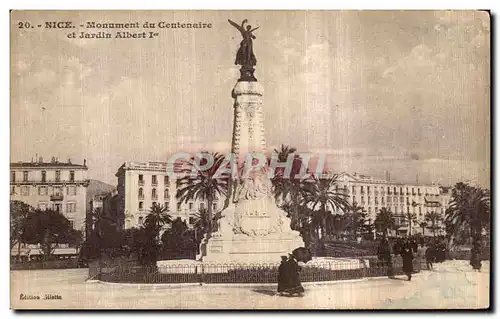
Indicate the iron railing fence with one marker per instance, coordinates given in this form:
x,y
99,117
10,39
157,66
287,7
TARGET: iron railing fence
x,y
239,273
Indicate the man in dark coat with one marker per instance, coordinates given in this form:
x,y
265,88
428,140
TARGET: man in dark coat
x,y
475,257
407,255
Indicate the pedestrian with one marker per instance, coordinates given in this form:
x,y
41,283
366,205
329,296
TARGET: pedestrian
x,y
475,257
429,257
288,272
407,255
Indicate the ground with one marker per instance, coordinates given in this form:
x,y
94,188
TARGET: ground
x,y
452,285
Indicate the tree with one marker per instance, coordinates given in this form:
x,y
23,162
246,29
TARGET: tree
x,y
412,220
157,218
423,225
433,218
470,206
204,184
324,199
384,221
178,241
18,213
289,189
48,228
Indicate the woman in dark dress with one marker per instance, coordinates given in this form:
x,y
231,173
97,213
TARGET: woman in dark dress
x,y
407,255
288,272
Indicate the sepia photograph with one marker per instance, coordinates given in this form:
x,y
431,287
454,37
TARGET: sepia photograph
x,y
250,160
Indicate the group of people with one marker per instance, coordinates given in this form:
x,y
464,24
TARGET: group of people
x,y
405,247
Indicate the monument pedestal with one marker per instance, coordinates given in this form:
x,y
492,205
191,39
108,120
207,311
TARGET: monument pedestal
x,y
252,228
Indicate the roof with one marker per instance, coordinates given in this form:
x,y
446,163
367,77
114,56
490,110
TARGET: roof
x,y
43,164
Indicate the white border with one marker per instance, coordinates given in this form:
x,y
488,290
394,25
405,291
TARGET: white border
x,y
493,5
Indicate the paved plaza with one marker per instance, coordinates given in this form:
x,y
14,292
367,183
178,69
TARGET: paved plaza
x,y
452,284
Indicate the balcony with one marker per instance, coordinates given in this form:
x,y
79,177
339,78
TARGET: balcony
x,y
141,182
154,197
154,183
56,197
141,196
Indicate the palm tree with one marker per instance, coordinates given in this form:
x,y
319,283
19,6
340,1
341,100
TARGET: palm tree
x,y
470,206
204,185
412,220
384,221
323,199
423,225
433,218
157,218
289,190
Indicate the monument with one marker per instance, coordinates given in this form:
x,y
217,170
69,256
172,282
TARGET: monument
x,y
252,228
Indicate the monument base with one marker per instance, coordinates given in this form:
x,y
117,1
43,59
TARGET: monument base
x,y
250,250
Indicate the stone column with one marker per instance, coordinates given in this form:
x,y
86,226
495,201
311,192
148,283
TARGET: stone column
x,y
253,229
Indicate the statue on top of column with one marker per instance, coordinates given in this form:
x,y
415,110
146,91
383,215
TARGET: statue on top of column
x,y
245,56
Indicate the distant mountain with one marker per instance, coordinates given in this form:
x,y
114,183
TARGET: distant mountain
x,y
97,187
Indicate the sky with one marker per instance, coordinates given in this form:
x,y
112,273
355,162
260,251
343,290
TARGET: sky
x,y
401,91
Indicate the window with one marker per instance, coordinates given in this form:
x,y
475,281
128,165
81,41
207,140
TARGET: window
x,y
154,194
383,200
71,207
167,206
376,200
214,206
57,190
395,209
44,176
362,190
71,190
141,205
25,176
12,176
353,190
202,205
369,210
401,190
179,204
166,193
140,220
58,208
389,199
141,193
58,176
71,176
190,206
141,179
354,199
154,180
166,181
367,189
369,199
42,190
72,223
395,191
13,190
25,190
362,199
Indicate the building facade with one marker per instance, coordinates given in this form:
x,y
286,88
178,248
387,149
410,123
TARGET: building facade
x,y
52,185
140,185
402,199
